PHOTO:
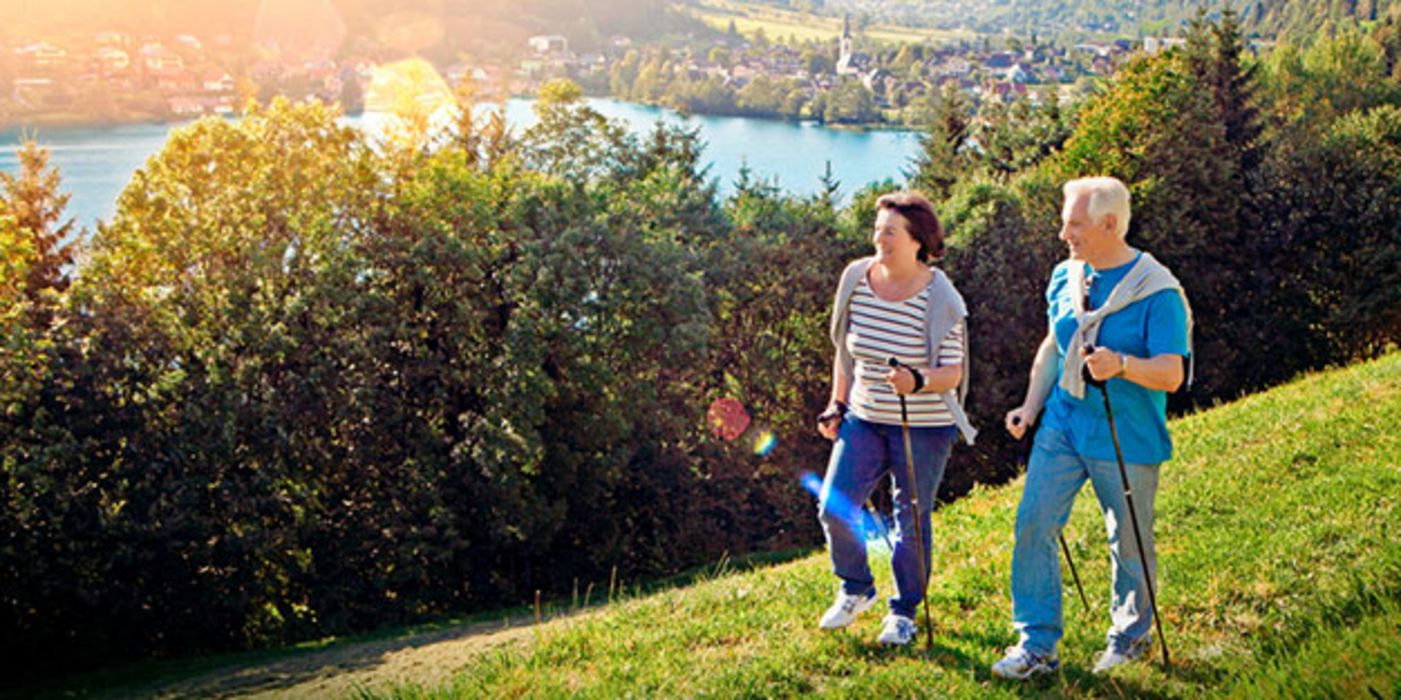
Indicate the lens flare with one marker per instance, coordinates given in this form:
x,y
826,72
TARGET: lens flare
x,y
870,526
409,86
764,442
727,418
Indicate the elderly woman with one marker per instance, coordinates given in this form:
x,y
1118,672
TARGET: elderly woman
x,y
891,304
1118,314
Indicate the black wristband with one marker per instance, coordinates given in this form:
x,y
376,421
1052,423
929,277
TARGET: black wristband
x,y
919,379
836,410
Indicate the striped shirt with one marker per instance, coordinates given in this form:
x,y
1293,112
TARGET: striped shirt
x,y
879,329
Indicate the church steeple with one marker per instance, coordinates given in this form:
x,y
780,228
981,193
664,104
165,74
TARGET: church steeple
x,y
844,66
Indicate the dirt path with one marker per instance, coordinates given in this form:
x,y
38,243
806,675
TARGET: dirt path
x,y
427,659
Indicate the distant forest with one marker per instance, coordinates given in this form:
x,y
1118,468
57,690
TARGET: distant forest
x,y
1266,18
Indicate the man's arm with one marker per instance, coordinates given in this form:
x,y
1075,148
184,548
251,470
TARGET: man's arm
x,y
1039,385
1159,373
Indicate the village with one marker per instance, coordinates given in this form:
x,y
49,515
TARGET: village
x,y
116,77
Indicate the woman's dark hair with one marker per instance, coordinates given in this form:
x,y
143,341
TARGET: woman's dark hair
x,y
923,222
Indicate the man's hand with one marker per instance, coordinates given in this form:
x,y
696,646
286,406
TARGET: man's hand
x,y
1103,363
1018,420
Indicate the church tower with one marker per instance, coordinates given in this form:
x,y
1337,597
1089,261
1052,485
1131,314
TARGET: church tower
x,y
844,58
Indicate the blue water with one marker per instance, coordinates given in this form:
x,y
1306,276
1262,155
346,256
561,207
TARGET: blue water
x,y
97,162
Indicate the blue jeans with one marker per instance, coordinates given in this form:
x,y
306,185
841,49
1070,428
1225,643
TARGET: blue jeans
x,y
1054,476
862,455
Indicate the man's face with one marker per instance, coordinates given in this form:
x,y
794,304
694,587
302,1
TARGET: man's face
x,y
1086,238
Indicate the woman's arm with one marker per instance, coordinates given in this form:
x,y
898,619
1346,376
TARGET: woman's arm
x,y
841,383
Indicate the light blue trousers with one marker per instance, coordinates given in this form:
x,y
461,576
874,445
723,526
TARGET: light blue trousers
x,y
1054,476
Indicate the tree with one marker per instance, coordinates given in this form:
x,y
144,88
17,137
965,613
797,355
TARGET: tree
x,y
33,201
850,103
571,140
940,162
762,96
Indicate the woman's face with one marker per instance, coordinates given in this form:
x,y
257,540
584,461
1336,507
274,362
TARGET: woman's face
x,y
892,238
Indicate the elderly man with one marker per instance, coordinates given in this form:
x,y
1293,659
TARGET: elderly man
x,y
1118,312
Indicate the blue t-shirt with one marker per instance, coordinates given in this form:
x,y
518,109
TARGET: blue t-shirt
x,y
1146,328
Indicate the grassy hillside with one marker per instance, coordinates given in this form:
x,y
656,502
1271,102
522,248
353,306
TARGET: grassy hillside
x,y
1280,576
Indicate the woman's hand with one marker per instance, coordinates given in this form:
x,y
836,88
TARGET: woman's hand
x,y
830,421
902,379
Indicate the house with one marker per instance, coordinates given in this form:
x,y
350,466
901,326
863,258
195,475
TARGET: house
x,y
185,106
112,60
955,66
1007,91
162,61
156,58
218,82
1153,44
190,41
1096,49
549,43
174,80
42,55
1001,60
116,40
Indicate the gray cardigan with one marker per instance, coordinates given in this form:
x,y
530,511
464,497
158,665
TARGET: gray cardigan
x,y
945,309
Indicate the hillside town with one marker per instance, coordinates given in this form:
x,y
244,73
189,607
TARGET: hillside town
x,y
114,76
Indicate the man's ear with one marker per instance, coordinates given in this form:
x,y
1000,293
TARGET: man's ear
x,y
1111,223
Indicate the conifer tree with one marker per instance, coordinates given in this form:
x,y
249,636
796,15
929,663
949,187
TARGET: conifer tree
x,y
33,199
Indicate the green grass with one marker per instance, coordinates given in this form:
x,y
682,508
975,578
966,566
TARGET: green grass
x,y
151,677
780,24
1279,576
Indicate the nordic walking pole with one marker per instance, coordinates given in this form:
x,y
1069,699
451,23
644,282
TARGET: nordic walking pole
x,y
1133,515
914,502
1073,574
875,515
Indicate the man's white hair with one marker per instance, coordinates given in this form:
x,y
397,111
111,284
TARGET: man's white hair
x,y
1108,195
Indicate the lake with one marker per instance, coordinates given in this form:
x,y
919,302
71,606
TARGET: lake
x,y
97,162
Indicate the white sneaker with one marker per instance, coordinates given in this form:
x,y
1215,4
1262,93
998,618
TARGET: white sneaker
x,y
898,631
1020,664
1112,657
845,609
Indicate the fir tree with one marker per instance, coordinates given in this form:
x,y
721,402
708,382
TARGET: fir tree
x,y
32,197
